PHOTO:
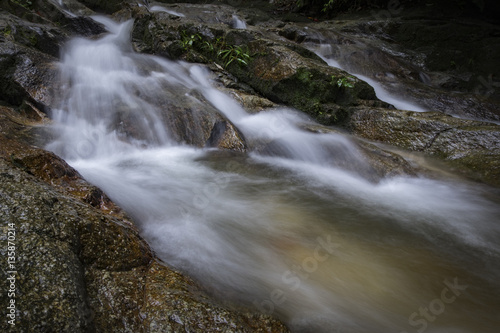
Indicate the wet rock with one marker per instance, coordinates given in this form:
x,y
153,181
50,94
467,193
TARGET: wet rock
x,y
195,123
284,76
26,76
224,135
46,25
42,37
283,73
251,102
440,73
79,270
375,163
191,119
463,143
17,138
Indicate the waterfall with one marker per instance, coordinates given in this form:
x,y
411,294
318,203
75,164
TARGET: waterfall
x,y
289,228
164,10
324,51
238,23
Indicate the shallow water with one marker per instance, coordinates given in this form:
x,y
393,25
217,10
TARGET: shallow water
x,y
288,230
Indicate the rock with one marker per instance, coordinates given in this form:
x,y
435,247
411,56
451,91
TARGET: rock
x,y
446,73
42,37
187,115
194,121
284,76
283,73
225,136
49,282
251,102
46,25
375,163
17,138
27,76
467,143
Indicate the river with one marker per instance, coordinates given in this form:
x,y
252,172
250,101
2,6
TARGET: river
x,y
293,231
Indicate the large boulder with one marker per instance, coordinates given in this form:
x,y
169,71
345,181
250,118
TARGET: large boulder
x,y
282,72
297,78
418,53
468,144
27,76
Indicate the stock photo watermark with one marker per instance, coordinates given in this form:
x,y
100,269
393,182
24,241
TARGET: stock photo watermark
x,y
11,308
299,273
420,319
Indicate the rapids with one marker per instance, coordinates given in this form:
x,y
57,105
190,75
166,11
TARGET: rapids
x,y
292,232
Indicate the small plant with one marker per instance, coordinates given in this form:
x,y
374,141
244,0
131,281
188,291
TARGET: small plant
x,y
209,47
217,48
327,6
234,54
342,82
188,40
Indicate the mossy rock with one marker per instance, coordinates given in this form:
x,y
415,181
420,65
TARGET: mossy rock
x,y
472,147
307,83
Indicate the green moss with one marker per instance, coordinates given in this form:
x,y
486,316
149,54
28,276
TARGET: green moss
x,y
7,31
307,89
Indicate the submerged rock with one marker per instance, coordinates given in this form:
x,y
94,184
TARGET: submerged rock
x,y
375,163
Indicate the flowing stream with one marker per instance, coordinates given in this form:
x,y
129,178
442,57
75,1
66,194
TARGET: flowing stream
x,y
295,232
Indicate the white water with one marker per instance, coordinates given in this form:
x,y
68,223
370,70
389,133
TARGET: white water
x,y
291,231
238,23
165,10
397,101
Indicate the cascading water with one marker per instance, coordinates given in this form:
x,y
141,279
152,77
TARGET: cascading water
x,y
324,51
163,9
286,229
238,23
